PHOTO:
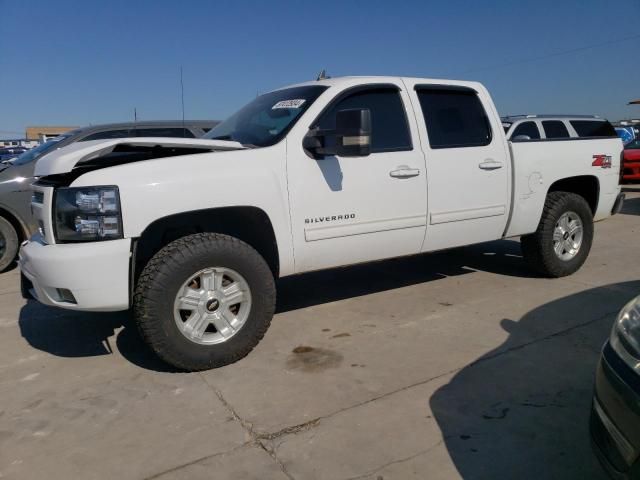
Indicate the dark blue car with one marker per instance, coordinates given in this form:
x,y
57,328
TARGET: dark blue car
x,y
615,416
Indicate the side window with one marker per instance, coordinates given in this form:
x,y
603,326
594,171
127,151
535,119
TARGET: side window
x,y
593,128
164,132
530,129
106,135
454,118
555,129
389,127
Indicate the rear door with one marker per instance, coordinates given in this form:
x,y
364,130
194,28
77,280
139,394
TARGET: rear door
x,y
468,165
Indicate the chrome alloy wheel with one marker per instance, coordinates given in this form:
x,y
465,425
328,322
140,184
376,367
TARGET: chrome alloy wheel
x,y
212,305
567,236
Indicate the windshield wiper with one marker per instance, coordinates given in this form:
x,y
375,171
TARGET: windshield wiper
x,y
221,137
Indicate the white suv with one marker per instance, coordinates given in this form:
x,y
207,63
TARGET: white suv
x,y
524,128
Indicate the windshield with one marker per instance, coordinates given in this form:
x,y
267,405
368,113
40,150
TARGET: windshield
x,y
268,118
37,152
635,145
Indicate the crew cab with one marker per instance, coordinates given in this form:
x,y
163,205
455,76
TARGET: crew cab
x,y
312,176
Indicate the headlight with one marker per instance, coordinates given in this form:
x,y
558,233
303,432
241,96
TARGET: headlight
x,y
625,336
87,214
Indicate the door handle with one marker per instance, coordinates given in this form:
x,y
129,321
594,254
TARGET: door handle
x,y
490,164
404,171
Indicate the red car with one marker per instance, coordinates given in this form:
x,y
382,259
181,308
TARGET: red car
x,y
631,162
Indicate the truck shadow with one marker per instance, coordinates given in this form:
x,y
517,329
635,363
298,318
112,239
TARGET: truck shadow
x,y
67,333
501,257
522,410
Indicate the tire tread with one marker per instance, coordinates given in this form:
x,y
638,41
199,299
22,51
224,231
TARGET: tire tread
x,y
157,272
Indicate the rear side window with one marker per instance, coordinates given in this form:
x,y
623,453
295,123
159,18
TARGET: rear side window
x,y
555,129
164,132
107,135
454,118
530,129
593,128
389,127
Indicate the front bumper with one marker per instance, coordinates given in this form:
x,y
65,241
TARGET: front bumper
x,y
615,417
79,276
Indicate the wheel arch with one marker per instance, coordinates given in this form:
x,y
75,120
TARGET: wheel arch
x,y
16,222
250,224
587,186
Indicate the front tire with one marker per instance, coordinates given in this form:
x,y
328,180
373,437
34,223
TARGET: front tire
x,y
8,244
204,301
561,244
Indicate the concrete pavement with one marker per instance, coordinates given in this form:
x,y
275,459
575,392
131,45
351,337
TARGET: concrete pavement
x,y
460,364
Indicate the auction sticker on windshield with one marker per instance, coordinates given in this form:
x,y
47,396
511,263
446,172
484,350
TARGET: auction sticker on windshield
x,y
295,103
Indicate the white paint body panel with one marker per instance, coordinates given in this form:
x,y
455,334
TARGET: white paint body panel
x,y
64,159
450,202
466,203
390,213
540,164
96,273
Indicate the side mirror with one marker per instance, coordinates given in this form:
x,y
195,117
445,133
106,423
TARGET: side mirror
x,y
350,138
353,132
521,138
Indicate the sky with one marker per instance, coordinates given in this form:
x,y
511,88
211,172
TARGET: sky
x,y
73,62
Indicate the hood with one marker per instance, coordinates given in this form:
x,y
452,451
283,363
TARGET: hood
x,y
105,153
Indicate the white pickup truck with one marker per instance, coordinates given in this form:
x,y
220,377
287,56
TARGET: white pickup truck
x,y
312,176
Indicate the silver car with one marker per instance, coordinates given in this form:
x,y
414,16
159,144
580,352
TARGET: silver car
x,y
16,175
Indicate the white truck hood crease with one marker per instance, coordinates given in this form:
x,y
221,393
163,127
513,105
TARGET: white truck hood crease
x,y
64,159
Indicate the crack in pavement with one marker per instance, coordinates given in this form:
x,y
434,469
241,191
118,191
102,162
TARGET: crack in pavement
x,y
193,462
292,430
248,427
395,462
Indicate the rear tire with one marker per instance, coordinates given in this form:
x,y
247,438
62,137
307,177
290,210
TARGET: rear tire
x,y
9,244
566,222
192,265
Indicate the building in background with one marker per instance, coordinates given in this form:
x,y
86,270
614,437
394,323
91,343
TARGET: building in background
x,y
44,133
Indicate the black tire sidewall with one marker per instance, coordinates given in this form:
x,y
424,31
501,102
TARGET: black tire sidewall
x,y
12,244
180,264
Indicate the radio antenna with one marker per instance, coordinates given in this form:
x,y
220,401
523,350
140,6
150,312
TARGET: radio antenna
x,y
322,75
182,100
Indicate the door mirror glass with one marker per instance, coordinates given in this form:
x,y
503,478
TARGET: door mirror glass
x,y
350,138
353,132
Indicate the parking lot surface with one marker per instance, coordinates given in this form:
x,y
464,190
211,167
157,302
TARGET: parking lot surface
x,y
460,364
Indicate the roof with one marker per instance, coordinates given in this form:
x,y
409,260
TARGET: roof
x,y
351,80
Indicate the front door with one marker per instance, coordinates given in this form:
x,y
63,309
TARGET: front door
x,y
346,210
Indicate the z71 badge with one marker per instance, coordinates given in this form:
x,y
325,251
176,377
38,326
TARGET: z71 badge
x,y
602,161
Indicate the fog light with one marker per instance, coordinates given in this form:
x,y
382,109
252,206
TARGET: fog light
x,y
65,295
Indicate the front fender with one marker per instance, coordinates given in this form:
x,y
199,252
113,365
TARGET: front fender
x,y
154,189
